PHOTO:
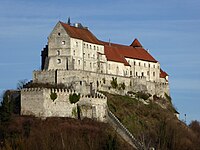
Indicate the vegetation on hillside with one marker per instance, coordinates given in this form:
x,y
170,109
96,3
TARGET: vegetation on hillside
x,y
153,125
30,133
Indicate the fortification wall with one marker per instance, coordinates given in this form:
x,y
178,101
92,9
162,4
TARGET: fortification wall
x,y
37,102
45,76
32,102
82,80
94,107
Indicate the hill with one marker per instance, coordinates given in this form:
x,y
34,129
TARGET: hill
x,y
154,123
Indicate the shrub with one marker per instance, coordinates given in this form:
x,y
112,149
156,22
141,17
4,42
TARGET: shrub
x,y
53,96
122,85
114,83
143,95
73,98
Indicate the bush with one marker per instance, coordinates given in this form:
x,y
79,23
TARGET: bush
x,y
114,83
53,96
73,98
143,95
122,86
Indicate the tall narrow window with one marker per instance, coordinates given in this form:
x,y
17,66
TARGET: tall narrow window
x,y
74,52
58,52
79,62
154,74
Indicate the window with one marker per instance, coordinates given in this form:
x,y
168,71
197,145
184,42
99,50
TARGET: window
x,y
58,61
84,45
97,48
134,63
90,65
74,52
142,74
130,73
79,62
63,42
90,47
136,74
139,63
58,52
58,33
148,73
76,44
87,45
144,65
154,66
94,48
108,66
88,55
84,63
149,65
154,74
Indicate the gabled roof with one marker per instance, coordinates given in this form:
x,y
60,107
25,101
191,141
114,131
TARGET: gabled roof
x,y
131,52
112,54
163,74
80,33
136,43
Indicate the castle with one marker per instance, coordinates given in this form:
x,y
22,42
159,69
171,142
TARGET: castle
x,y
75,58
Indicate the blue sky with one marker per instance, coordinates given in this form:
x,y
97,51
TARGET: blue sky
x,y
169,29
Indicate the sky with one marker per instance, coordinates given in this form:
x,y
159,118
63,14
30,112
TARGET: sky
x,y
170,30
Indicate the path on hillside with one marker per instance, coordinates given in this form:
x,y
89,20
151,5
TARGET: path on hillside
x,y
123,132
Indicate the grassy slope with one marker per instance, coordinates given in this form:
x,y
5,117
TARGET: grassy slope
x,y
152,124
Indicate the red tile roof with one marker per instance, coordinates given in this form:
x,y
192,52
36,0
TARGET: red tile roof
x,y
114,52
80,33
136,43
163,74
131,52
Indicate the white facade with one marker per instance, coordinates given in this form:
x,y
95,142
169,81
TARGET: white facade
x,y
70,53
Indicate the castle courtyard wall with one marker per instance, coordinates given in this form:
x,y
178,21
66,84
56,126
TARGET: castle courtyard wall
x,y
82,80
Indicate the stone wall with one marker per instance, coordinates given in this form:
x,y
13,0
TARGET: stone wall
x,y
82,80
37,102
94,107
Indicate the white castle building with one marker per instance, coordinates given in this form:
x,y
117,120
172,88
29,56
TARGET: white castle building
x,y
77,59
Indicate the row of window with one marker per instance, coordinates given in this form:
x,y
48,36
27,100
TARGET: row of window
x,y
145,65
90,46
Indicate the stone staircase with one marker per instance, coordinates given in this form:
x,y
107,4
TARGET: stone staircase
x,y
123,132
